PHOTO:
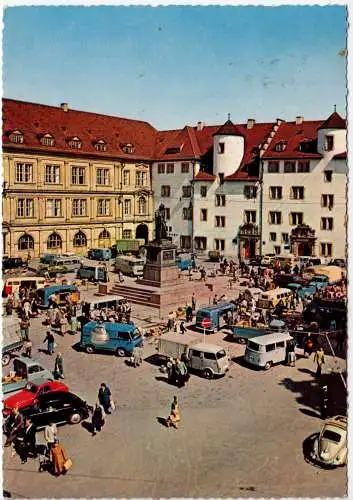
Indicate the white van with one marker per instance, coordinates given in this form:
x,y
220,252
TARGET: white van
x,y
72,263
132,266
12,285
267,350
271,298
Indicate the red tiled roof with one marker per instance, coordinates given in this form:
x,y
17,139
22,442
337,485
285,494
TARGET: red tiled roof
x,y
228,128
35,120
334,121
204,176
177,145
292,135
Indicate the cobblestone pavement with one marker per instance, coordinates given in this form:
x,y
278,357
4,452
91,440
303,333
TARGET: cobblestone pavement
x,y
241,435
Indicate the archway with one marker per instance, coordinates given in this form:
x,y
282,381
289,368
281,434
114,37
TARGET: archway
x,y
304,250
142,232
104,239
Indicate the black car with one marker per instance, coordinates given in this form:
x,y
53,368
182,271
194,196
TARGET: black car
x,y
12,263
58,407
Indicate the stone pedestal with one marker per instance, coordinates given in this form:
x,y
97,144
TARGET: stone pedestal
x,y
160,269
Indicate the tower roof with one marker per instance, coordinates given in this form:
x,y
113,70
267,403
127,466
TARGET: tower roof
x,y
228,128
334,121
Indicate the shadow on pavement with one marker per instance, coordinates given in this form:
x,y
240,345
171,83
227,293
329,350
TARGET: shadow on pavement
x,y
155,360
76,347
239,360
310,413
88,426
162,421
306,370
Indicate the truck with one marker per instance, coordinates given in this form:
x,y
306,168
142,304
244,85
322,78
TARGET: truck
x,y
208,359
242,333
12,341
25,370
128,246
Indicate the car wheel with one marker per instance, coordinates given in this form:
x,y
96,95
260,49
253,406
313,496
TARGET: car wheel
x,y
89,349
120,352
207,373
268,365
6,358
242,341
75,418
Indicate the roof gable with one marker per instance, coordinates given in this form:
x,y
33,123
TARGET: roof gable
x,y
228,128
334,121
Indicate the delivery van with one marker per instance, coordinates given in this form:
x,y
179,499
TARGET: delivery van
x,y
129,265
71,263
267,350
335,274
61,291
271,298
117,338
12,285
93,273
100,254
102,303
218,315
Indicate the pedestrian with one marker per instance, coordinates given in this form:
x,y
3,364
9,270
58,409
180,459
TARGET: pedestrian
x,y
308,345
64,325
24,328
9,306
28,445
50,342
98,418
13,425
27,308
188,314
174,417
182,327
181,372
28,348
73,325
59,366
291,357
319,358
50,434
215,300
104,397
59,459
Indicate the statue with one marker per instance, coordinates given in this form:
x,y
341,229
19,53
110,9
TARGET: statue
x,y
161,226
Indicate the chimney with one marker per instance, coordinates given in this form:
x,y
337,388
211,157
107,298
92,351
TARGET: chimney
x,y
299,120
251,123
64,106
200,126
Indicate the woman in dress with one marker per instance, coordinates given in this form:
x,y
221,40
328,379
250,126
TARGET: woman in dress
x,y
58,458
174,417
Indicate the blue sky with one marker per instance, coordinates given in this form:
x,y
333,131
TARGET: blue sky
x,y
173,66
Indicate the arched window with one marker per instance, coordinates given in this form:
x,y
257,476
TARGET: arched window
x,y
142,206
80,239
104,239
25,242
54,241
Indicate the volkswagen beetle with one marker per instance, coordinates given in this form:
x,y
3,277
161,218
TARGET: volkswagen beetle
x,y
330,447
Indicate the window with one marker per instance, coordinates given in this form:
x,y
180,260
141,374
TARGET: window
x,y
277,249
25,207
326,249
220,221
186,191
270,347
297,193
327,223
285,237
328,143
75,143
273,236
100,146
167,212
128,148
127,234
104,238
279,344
54,241
165,191
289,167
127,207
303,167
275,192
327,201
103,207
141,178
24,172
219,244
250,216
203,191
52,174
185,241
102,176
221,148
53,207
170,168
203,214
17,137
26,242
126,177
275,217
141,206
187,213
220,200
209,355
78,175
47,140
296,218
200,243
328,175
280,146
273,167
161,168
185,167
79,207
80,240
250,192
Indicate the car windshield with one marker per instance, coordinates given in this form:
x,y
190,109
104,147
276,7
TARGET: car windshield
x,y
253,346
31,388
221,354
332,436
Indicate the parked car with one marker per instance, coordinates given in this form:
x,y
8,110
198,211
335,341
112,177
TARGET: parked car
x,y
214,255
30,393
267,259
59,407
337,262
330,447
12,263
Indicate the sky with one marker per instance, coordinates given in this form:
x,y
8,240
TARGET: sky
x,y
173,66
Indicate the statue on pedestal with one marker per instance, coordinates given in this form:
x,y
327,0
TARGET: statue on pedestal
x,y
161,226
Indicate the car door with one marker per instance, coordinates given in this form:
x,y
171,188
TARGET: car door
x,y
42,411
195,359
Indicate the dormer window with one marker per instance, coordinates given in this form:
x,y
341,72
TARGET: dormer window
x,y
100,145
75,143
128,148
305,146
47,140
328,142
173,150
280,146
17,137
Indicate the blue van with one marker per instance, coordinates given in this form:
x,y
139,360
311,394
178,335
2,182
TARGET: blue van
x,y
119,338
62,291
185,262
100,254
217,314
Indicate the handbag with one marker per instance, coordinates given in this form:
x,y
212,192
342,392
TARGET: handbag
x,y
112,405
67,464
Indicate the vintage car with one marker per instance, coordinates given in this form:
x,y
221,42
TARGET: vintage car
x,y
30,393
330,447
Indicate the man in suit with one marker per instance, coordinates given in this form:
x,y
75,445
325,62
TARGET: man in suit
x,y
27,442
